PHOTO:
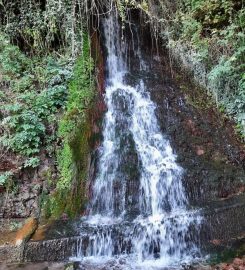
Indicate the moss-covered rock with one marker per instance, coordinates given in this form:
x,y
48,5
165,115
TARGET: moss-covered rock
x,y
75,129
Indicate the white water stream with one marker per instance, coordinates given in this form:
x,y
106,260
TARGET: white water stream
x,y
161,232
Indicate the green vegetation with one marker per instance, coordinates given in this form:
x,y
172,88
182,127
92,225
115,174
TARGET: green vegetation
x,y
46,94
74,130
215,30
41,27
38,89
212,32
35,89
233,251
124,5
5,178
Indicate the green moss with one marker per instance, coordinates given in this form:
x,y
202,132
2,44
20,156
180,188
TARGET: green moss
x,y
74,130
65,166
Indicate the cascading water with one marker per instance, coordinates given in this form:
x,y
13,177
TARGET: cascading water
x,y
152,224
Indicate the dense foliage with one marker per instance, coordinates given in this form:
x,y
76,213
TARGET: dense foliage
x,y
34,89
212,31
46,90
39,27
215,29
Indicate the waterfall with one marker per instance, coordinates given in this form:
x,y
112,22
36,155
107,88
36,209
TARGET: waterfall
x,y
139,206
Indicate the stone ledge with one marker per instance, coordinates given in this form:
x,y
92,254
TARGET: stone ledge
x,y
225,225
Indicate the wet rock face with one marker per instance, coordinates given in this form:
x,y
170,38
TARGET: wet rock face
x,y
204,140
206,144
20,198
128,163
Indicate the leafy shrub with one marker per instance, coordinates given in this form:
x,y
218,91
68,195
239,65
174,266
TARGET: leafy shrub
x,y
191,29
25,130
12,61
5,177
43,26
32,162
41,84
25,82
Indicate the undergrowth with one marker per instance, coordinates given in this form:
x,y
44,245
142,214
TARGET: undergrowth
x,y
34,90
45,100
38,91
213,31
218,36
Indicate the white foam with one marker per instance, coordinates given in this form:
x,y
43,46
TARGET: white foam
x,y
163,225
